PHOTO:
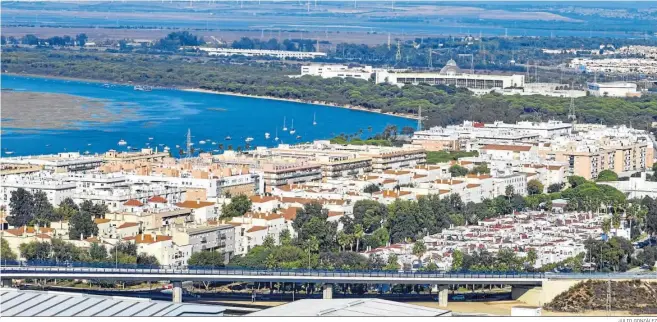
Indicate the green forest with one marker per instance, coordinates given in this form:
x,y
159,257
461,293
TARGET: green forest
x,y
441,105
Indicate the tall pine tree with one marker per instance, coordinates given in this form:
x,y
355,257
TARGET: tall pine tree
x,y
82,224
43,211
21,206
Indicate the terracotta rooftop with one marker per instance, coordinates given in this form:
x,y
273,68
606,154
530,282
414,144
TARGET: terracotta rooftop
x,y
157,199
259,199
290,213
195,204
127,225
29,230
148,238
133,203
335,213
256,228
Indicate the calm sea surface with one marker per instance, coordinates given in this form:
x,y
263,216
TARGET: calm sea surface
x,y
165,116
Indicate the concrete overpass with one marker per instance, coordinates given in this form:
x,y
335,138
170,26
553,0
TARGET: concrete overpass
x,y
532,287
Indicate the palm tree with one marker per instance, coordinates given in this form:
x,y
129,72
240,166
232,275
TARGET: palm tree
x,y
221,146
369,129
230,147
358,234
343,240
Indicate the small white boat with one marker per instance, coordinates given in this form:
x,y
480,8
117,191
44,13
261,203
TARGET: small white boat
x,y
161,144
284,126
214,143
166,148
292,130
298,137
276,138
88,144
129,147
314,121
192,143
249,139
86,152
150,139
9,152
122,142
177,146
228,138
201,142
266,135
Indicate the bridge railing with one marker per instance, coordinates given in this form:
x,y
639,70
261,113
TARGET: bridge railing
x,y
112,268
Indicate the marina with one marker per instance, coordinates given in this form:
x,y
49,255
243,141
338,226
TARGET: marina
x,y
160,117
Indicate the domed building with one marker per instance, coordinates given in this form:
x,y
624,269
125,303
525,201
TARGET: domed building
x,y
450,68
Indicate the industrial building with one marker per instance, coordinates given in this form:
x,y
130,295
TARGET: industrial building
x,y
342,71
613,89
450,74
282,54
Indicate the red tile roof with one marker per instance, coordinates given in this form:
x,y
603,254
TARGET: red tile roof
x,y
133,203
195,204
148,238
127,224
157,199
256,228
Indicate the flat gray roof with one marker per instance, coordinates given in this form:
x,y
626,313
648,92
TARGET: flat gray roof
x,y
350,307
16,302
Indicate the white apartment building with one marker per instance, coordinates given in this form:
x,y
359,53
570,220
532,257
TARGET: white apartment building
x,y
60,162
342,71
115,190
252,229
214,187
55,189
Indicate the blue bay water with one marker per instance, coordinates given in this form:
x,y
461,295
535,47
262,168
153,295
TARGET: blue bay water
x,y
165,115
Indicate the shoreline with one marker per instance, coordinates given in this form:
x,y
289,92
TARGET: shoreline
x,y
207,91
320,103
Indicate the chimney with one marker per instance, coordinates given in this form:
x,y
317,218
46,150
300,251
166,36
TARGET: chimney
x,y
198,201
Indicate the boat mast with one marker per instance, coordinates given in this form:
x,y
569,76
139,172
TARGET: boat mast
x,y
189,143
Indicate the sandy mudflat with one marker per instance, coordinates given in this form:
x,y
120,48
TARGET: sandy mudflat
x,y
29,110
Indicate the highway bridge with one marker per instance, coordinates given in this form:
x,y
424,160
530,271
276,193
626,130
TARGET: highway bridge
x,y
439,280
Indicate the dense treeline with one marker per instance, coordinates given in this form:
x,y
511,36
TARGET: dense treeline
x,y
77,40
29,209
441,105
